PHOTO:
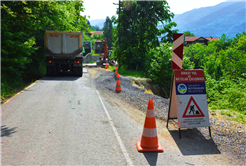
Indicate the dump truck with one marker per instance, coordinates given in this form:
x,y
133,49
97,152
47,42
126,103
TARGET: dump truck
x,y
64,53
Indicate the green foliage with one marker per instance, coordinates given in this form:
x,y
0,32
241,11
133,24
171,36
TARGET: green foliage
x,y
95,28
227,93
22,36
159,65
137,31
224,64
132,73
108,32
188,33
168,31
95,37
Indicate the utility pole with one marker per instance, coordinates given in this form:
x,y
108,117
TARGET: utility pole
x,y
118,33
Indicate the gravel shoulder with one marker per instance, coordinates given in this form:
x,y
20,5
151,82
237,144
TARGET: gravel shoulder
x,y
228,138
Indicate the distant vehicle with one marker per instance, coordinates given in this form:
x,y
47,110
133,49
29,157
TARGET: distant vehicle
x,y
104,57
64,52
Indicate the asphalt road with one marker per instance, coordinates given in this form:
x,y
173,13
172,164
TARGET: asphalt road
x,y
66,121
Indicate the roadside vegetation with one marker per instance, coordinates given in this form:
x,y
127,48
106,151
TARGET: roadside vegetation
x,y
223,62
22,33
137,48
130,73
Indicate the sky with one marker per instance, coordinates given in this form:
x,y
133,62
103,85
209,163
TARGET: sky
x,y
100,9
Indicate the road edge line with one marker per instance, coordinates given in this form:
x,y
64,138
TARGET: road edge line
x,y
122,146
29,86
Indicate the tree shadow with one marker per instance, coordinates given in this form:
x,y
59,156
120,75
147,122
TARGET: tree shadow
x,y
151,157
7,132
193,142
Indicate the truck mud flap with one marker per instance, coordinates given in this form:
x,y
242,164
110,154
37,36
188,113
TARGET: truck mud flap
x,y
51,71
78,71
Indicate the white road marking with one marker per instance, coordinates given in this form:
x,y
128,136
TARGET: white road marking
x,y
128,160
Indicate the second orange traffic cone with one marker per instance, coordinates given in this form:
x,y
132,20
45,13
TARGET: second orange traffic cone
x,y
117,77
149,140
106,66
116,72
118,87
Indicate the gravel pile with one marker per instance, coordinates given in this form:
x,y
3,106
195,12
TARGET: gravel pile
x,y
135,96
226,135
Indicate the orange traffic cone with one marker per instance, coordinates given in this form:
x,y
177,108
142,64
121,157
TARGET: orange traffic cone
x,y
118,87
117,76
149,140
106,66
116,72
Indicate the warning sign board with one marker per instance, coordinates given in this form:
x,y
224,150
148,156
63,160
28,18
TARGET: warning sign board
x,y
188,99
192,109
191,98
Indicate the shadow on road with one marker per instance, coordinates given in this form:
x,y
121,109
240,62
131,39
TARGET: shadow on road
x,y
7,132
193,142
151,158
59,78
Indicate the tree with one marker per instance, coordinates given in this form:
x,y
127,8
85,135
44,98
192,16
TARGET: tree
x,y
94,28
22,30
138,32
188,33
107,31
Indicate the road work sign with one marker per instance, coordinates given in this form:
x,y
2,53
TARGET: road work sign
x,y
188,99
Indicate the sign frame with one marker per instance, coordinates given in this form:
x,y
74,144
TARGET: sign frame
x,y
173,111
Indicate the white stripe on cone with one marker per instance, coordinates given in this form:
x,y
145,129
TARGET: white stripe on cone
x,y
150,132
150,113
178,42
177,60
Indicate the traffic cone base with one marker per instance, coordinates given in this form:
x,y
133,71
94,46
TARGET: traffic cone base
x,y
149,140
142,149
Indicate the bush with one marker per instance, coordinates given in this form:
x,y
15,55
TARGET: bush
x,y
224,64
158,65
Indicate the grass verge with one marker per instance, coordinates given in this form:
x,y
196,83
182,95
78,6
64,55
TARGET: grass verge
x,y
89,62
234,116
130,73
95,54
9,91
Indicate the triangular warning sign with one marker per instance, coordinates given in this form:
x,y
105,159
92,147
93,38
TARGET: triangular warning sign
x,y
194,109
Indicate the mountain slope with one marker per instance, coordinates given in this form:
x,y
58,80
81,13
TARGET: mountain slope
x,y
226,17
98,22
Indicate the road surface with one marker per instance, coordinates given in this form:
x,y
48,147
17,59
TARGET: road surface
x,y
66,121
